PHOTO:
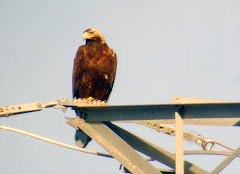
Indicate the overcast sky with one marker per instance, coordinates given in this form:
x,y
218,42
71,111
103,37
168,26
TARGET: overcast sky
x,y
164,48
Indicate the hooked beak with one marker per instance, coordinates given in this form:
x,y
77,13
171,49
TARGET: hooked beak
x,y
85,36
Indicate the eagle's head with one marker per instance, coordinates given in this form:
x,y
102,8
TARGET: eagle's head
x,y
93,34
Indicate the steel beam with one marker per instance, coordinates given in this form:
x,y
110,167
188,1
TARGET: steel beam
x,y
191,100
155,152
164,112
200,121
229,159
24,108
179,143
118,148
196,111
127,113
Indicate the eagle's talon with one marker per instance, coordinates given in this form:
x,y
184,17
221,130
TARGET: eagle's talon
x,y
90,100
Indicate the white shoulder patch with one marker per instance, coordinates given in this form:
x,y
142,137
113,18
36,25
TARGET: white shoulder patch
x,y
114,52
106,76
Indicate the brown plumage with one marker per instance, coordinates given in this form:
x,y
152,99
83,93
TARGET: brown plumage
x,y
94,68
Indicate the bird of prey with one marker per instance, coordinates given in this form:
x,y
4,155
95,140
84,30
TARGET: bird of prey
x,y
94,68
94,72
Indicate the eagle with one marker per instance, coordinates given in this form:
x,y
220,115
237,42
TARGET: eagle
x,y
94,68
94,72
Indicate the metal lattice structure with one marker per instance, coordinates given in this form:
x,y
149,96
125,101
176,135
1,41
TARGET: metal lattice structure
x,y
97,120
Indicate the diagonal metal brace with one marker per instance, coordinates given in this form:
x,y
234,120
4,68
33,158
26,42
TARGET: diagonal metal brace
x,y
153,151
206,143
117,147
229,159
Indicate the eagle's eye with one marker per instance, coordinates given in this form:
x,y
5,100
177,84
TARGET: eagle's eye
x,y
91,32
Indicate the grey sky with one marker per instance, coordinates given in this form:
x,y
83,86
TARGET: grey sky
x,y
164,48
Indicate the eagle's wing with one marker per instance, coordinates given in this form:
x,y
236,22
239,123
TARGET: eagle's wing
x,y
77,72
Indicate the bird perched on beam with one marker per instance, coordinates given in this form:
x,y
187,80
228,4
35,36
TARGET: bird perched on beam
x,y
94,70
